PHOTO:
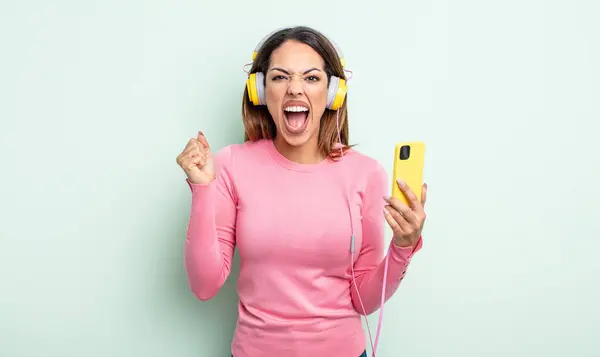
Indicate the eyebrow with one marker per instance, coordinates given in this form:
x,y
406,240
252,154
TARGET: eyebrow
x,y
286,72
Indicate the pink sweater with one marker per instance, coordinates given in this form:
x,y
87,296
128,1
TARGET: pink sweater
x,y
292,224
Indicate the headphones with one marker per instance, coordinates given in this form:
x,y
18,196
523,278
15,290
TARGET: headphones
x,y
336,92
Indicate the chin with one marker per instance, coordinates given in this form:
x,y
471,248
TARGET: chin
x,y
296,140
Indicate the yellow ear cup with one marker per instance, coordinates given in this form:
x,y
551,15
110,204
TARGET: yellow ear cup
x,y
336,93
256,88
340,95
251,86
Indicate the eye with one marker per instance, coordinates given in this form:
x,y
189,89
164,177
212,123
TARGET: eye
x,y
312,78
278,78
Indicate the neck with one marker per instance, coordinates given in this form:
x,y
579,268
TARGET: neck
x,y
306,154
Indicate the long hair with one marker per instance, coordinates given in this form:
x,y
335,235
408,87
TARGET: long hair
x,y
258,122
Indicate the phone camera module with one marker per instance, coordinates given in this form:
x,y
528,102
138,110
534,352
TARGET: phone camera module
x,y
404,152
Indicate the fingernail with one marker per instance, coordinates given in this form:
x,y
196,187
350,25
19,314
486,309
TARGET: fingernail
x,y
387,198
400,182
385,211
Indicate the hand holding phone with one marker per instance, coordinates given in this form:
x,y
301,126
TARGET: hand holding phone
x,y
405,211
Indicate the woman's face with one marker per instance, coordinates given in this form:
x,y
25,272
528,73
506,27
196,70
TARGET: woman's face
x,y
296,93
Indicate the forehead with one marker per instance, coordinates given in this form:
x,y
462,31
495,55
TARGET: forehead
x,y
296,56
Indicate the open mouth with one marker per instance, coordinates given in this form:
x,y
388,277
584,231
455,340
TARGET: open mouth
x,y
296,118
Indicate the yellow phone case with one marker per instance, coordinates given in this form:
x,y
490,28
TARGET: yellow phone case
x,y
409,161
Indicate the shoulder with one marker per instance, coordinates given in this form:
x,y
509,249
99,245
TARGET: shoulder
x,y
370,179
358,162
245,152
364,173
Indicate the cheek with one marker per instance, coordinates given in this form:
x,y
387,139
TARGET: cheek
x,y
272,91
318,97
274,97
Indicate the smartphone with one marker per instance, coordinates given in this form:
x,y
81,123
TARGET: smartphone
x,y
409,161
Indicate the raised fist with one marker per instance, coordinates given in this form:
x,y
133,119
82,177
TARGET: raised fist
x,y
196,161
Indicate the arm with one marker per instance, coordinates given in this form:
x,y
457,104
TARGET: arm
x,y
210,240
369,267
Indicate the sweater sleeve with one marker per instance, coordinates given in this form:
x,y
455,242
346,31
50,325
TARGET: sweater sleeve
x,y
369,266
210,239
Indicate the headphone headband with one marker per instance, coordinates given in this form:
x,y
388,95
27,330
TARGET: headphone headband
x,y
264,39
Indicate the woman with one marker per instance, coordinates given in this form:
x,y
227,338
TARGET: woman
x,y
306,213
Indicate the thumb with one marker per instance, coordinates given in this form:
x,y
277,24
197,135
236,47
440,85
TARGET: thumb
x,y
202,140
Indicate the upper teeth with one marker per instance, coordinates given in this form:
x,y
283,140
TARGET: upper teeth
x,y
296,109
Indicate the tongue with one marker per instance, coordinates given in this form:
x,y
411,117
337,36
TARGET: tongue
x,y
296,119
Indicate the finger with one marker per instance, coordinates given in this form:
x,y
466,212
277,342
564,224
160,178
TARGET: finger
x,y
392,222
194,162
400,207
202,140
424,195
410,195
196,148
191,143
197,153
400,219
192,150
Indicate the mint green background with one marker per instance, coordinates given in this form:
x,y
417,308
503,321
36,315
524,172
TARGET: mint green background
x,y
98,98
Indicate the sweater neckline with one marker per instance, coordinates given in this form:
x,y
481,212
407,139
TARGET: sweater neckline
x,y
291,165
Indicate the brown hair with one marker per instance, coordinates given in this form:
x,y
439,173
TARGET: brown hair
x,y
258,122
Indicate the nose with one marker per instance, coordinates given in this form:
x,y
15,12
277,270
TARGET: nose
x,y
295,86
